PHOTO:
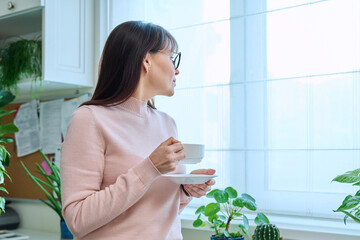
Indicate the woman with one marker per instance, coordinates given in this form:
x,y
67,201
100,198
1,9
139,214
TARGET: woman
x,y
118,145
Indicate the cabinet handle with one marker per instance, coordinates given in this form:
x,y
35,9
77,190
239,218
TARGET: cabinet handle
x,y
10,5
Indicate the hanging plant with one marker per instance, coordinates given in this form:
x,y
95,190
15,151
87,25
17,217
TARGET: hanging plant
x,y
20,60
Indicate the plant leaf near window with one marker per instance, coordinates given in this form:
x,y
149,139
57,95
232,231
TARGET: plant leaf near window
x,y
351,204
20,60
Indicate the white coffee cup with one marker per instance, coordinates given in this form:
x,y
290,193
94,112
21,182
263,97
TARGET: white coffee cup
x,y
194,153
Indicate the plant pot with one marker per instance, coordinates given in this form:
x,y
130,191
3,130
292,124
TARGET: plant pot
x,y
65,232
224,238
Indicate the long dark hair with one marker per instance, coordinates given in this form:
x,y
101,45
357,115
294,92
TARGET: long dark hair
x,y
122,57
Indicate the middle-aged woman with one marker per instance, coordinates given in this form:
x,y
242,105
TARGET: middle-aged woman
x,y
118,145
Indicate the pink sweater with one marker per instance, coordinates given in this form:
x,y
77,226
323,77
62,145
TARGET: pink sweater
x,y
110,188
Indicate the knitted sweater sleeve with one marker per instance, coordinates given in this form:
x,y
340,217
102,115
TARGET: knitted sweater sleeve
x,y
87,207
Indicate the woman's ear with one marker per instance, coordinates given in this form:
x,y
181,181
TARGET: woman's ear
x,y
147,63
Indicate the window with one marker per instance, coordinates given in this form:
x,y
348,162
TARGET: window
x,y
274,93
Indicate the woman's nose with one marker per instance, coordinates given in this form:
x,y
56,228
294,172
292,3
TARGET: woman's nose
x,y
177,72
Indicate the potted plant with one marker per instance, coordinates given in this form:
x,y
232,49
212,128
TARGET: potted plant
x,y
20,60
5,98
228,206
266,231
351,204
54,199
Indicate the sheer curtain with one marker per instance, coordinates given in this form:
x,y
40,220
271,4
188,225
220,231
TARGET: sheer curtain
x,y
271,88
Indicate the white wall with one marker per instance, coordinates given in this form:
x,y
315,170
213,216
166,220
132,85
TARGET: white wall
x,y
35,215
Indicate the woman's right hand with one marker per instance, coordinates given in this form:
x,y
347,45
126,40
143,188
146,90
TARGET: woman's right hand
x,y
167,155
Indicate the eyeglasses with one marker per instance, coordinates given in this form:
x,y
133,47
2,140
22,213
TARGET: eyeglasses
x,y
176,59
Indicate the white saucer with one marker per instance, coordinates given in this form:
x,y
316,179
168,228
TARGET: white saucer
x,y
189,178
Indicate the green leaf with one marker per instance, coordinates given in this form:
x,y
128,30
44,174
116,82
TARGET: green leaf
x,y
222,217
356,219
211,193
2,166
244,230
2,204
218,222
3,112
250,205
246,223
197,223
6,161
6,140
227,234
356,184
53,167
349,177
231,192
48,195
8,176
211,209
4,190
345,218
249,202
238,202
8,128
5,173
221,197
247,197
211,218
349,203
57,210
200,210
237,214
6,97
261,218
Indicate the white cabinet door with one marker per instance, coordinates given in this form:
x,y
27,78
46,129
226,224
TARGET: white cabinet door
x,y
68,33
14,6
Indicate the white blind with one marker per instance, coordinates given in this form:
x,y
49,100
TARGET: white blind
x,y
271,88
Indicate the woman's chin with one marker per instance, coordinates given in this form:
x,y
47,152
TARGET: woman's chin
x,y
170,93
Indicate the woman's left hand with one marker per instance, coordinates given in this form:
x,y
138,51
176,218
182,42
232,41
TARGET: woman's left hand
x,y
199,190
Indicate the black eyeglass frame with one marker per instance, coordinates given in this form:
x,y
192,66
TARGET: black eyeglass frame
x,y
174,59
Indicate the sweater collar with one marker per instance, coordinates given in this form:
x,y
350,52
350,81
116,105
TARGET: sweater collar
x,y
136,106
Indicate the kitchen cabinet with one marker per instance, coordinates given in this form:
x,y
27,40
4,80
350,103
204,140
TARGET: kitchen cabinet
x,y
66,28
14,6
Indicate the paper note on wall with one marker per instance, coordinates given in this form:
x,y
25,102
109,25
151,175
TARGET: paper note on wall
x,y
67,109
50,125
28,138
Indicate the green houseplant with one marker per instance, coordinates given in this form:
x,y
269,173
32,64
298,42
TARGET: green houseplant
x,y
20,59
266,231
54,199
351,204
228,206
6,97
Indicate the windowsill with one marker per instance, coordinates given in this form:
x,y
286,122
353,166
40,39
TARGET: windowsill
x,y
294,227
